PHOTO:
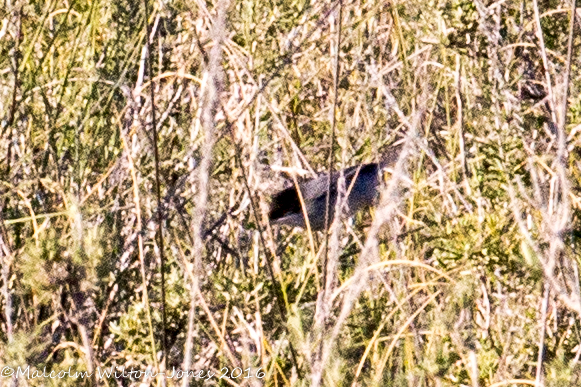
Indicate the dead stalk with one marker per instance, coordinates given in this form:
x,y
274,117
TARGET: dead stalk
x,y
209,102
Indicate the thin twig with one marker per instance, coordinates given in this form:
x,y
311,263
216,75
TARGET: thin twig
x,y
460,123
323,307
567,77
332,145
210,101
137,201
544,306
541,38
6,262
149,43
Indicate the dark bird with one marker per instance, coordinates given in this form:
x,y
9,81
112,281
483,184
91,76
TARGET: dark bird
x,y
363,192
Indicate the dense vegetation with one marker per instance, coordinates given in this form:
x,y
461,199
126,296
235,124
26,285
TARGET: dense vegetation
x,y
141,142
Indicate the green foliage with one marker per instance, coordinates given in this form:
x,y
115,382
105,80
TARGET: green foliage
x,y
450,288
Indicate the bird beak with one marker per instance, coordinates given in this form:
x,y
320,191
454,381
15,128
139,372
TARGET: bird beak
x,y
387,172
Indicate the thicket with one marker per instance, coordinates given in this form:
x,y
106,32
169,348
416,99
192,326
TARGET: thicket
x,y
141,142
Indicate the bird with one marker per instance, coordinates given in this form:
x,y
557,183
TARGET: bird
x,y
285,208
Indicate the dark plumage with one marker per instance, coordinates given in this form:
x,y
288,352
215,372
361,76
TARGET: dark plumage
x,y
286,207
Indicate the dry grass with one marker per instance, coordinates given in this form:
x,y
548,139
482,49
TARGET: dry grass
x,y
466,273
